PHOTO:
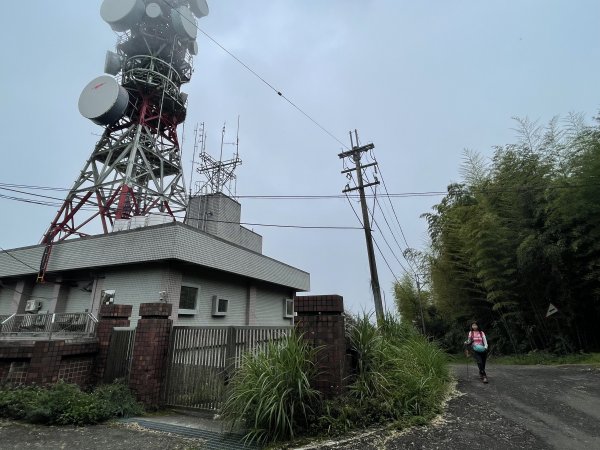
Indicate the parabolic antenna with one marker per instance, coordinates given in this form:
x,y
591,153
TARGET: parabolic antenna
x,y
121,15
112,63
193,48
184,23
153,10
199,8
103,100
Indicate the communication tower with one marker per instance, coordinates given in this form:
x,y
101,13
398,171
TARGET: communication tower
x,y
135,169
218,174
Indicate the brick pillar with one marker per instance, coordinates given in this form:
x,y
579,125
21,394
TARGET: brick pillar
x,y
45,362
110,316
320,318
150,352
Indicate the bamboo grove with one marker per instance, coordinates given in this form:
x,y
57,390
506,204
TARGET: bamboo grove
x,y
517,234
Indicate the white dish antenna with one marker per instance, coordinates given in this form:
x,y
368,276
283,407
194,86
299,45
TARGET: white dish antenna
x,y
153,10
199,8
103,100
121,15
184,23
193,48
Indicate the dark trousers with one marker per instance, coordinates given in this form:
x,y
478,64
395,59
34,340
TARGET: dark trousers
x,y
481,357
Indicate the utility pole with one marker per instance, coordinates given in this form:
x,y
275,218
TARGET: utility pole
x,y
355,155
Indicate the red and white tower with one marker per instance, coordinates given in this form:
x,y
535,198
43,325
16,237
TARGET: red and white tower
x,y
135,169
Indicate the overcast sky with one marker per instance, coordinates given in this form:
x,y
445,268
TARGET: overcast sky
x,y
422,80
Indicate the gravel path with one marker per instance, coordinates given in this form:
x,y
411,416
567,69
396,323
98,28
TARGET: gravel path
x,y
522,407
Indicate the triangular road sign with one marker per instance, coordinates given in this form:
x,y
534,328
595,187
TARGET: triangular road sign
x,y
551,310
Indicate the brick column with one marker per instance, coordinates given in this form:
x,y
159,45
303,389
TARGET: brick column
x,y
45,362
320,319
110,316
150,352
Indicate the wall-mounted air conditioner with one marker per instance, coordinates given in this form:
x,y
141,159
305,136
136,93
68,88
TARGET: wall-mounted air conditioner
x,y
107,296
33,306
288,308
219,306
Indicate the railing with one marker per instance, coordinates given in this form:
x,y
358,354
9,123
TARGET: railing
x,y
50,326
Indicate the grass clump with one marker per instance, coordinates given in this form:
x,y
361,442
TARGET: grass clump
x,y
66,404
399,376
271,392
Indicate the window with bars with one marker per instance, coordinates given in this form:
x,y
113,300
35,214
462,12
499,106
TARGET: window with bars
x,y
188,298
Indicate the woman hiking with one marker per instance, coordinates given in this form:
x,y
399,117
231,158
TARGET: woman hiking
x,y
478,343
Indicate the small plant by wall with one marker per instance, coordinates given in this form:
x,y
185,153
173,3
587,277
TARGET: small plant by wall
x,y
66,404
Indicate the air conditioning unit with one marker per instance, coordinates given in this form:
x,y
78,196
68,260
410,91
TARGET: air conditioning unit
x,y
219,306
33,306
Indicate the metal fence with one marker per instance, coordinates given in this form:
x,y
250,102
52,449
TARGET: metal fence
x,y
120,354
49,326
203,359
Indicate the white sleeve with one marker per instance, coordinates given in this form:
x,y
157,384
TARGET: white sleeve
x,y
485,344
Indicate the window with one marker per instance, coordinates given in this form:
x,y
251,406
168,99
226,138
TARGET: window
x,y
187,300
288,308
219,306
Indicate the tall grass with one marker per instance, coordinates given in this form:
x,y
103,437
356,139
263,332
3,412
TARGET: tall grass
x,y
271,393
398,376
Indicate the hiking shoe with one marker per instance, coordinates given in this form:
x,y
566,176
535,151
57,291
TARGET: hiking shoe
x,y
484,379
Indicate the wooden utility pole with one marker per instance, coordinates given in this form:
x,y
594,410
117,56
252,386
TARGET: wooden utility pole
x,y
356,154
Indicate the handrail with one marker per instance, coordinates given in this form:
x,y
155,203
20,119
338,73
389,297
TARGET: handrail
x,y
8,318
49,325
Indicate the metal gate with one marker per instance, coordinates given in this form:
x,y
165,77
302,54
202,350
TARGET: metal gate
x,y
120,354
203,359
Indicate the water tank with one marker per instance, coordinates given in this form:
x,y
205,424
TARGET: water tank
x,y
122,15
137,222
158,219
120,225
103,100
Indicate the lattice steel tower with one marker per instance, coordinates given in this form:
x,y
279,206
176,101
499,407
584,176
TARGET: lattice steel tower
x,y
135,168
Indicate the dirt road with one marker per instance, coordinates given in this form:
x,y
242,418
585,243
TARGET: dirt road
x,y
522,407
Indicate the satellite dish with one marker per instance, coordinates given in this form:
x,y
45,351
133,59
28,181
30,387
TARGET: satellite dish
x,y
199,8
112,63
184,23
153,10
103,100
193,47
121,15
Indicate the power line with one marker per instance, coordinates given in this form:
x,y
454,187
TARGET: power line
x,y
386,263
408,194
17,259
262,79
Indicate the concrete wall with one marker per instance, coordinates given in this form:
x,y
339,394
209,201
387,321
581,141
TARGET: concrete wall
x,y
6,298
134,285
270,303
220,215
79,298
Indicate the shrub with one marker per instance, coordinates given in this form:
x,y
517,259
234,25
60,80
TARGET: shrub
x,y
271,392
64,403
398,376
